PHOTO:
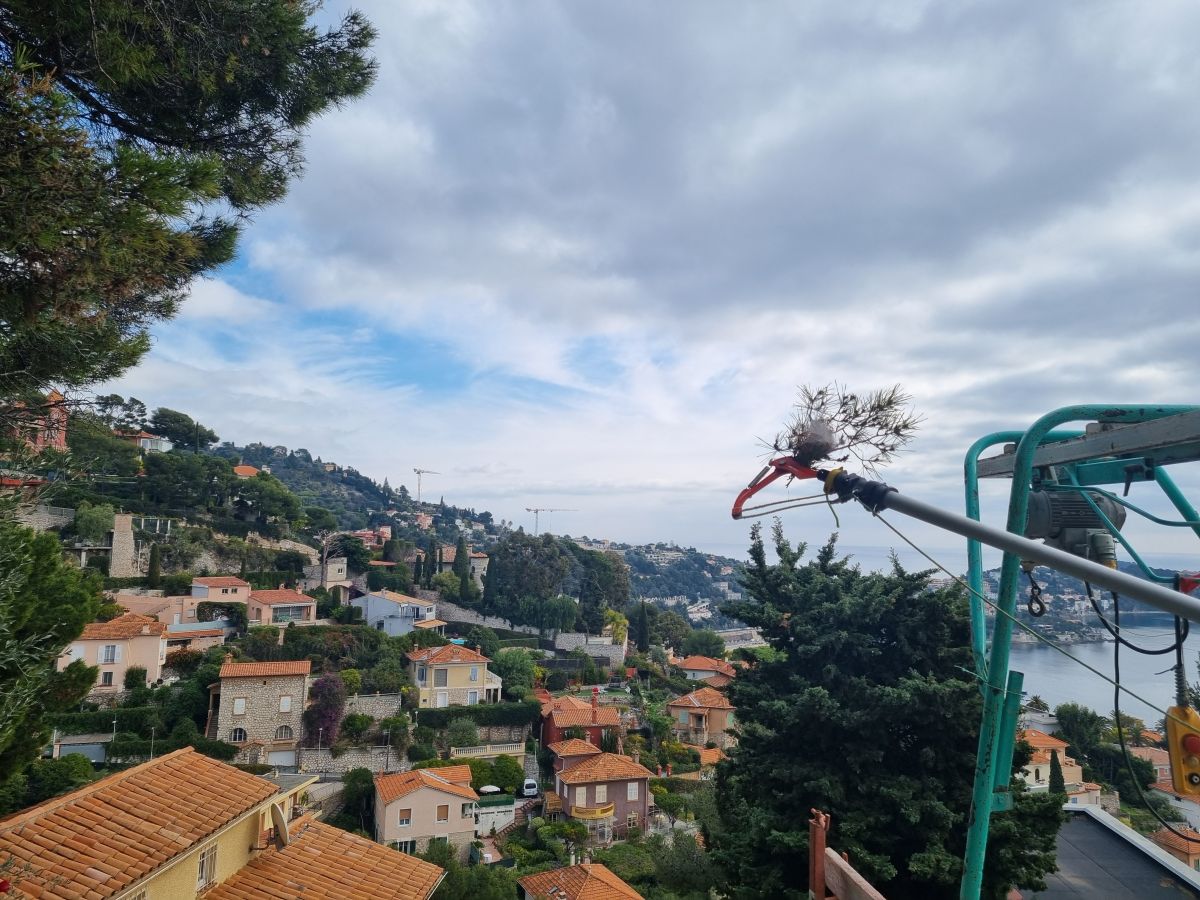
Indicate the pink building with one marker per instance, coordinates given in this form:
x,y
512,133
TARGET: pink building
x,y
177,609
281,607
607,792
221,589
118,645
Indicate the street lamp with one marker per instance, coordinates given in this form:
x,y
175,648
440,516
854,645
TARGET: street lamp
x,y
151,742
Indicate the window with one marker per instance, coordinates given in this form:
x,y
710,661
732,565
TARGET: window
x,y
474,673
468,809
601,794
224,590
239,706
472,698
683,716
443,813
581,796
631,821
439,677
237,736
140,895
421,674
404,818
207,870
409,847
631,790
109,655
285,703
283,733
106,679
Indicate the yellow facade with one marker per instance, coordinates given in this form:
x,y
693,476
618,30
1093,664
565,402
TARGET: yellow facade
x,y
461,683
178,879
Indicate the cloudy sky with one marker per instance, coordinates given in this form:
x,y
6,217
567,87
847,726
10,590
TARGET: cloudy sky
x,y
581,254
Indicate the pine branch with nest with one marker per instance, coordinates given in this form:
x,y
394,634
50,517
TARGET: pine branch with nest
x,y
872,427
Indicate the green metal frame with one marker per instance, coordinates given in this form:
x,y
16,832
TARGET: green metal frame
x,y
1002,688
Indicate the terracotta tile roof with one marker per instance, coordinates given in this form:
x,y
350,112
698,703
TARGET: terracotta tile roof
x,y
400,784
588,881
1039,740
429,623
704,698
711,756
573,747
1165,786
397,597
278,597
322,862
718,680
130,625
220,581
606,716
95,842
261,669
551,703
197,633
1153,755
604,767
245,471
450,653
1165,838
707,664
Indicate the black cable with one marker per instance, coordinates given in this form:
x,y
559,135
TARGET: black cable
x,y
1117,713
1174,648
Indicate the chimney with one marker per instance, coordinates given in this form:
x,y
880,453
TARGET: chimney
x,y
282,585
228,657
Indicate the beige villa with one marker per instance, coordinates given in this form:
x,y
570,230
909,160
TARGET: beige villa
x,y
281,608
184,826
702,717
257,707
415,809
453,676
116,646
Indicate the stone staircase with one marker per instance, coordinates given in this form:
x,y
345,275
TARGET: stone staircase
x,y
520,817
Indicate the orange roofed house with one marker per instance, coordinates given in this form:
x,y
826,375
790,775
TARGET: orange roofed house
x,y
607,792
714,672
416,809
118,645
702,717
281,607
257,707
588,881
559,714
184,826
1037,773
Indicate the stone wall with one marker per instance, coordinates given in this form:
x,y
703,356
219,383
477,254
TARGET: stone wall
x,y
503,734
452,612
377,759
377,706
594,646
42,517
262,717
122,562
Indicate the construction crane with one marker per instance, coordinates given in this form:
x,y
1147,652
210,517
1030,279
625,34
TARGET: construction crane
x,y
421,472
536,510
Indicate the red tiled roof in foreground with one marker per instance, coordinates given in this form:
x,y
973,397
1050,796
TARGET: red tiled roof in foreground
x,y
97,841
322,862
263,669
588,881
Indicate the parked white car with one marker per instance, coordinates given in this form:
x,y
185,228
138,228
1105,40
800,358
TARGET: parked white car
x,y
529,788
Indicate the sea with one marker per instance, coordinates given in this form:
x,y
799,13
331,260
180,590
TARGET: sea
x,y
1059,679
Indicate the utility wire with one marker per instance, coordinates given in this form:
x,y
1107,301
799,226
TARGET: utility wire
x,y
1115,682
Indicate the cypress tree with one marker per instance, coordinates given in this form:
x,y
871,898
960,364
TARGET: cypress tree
x,y
642,629
154,569
1057,784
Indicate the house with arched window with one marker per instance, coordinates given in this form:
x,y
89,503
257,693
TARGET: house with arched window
x,y
257,706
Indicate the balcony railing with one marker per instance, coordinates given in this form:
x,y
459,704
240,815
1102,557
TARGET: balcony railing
x,y
593,812
514,749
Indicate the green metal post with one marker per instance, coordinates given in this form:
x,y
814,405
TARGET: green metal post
x,y
991,747
1171,489
974,548
1008,725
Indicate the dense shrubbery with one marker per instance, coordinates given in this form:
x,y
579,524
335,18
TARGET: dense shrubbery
x,y
525,712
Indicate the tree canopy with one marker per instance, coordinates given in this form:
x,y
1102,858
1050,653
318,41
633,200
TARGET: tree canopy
x,y
181,429
870,677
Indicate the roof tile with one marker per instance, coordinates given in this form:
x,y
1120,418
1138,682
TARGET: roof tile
x,y
707,664
118,830
448,779
260,669
573,747
221,581
704,698
130,625
588,881
448,653
321,862
277,597
604,767
606,716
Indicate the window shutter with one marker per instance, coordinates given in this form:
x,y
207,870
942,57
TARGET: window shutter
x,y
118,652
